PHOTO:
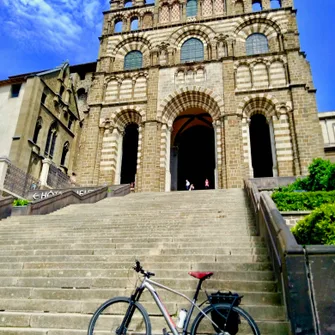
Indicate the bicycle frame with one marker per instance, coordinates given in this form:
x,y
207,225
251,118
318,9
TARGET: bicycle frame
x,y
148,284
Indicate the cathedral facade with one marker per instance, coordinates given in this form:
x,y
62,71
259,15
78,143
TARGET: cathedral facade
x,y
197,89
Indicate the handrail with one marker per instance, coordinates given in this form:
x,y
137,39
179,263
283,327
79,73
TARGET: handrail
x,y
288,260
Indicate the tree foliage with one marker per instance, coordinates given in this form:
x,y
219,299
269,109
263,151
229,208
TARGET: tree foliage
x,y
318,227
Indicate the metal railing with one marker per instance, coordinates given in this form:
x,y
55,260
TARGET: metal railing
x,y
57,178
19,182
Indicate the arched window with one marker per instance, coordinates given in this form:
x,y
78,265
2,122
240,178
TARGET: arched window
x,y
38,127
257,44
64,153
275,4
128,4
239,7
51,140
192,50
118,26
134,23
133,60
257,5
61,91
82,95
191,8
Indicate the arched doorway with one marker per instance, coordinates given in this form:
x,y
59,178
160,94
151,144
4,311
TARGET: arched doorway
x,y
192,150
129,154
261,151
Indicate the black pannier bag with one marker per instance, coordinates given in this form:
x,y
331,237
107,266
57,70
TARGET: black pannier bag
x,y
219,316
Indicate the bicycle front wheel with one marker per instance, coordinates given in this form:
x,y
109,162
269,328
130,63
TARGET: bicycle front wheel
x,y
120,316
217,321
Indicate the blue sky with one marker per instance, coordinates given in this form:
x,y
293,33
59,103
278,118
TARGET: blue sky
x,y
41,34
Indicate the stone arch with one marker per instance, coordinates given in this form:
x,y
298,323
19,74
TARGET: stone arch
x,y
260,24
258,103
132,13
147,19
126,117
203,32
189,97
128,114
135,42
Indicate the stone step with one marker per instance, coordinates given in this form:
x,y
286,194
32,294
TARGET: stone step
x,y
139,245
56,269
126,273
139,252
77,282
130,259
261,312
154,267
80,322
129,239
61,236
102,294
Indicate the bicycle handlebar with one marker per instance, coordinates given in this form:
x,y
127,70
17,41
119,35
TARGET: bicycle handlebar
x,y
138,268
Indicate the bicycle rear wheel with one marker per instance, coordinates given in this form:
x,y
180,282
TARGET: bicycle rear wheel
x,y
238,322
120,316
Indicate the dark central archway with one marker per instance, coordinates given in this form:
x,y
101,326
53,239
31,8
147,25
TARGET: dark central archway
x,y
261,152
129,154
193,150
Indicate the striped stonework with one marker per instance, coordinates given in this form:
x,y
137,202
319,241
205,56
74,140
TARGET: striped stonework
x,y
229,83
243,77
260,75
126,89
277,74
112,90
283,138
184,99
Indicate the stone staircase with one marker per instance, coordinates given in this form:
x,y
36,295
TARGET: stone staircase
x,y
55,270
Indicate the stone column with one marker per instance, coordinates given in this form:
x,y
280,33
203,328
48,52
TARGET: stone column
x,y
273,149
150,159
167,161
45,172
296,161
4,162
250,167
119,142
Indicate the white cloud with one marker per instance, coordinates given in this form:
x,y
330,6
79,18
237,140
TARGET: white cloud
x,y
58,25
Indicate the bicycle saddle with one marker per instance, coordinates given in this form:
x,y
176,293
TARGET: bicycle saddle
x,y
200,275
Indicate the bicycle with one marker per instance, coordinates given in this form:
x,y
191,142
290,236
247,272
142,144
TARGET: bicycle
x,y
123,315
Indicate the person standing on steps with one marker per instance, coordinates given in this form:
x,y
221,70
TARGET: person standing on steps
x,y
206,184
187,185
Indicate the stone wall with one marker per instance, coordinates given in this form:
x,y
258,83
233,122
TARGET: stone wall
x,y
227,84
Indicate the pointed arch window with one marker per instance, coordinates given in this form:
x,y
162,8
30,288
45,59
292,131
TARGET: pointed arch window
x,y
118,26
133,60
192,51
38,127
257,44
64,153
51,140
191,8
